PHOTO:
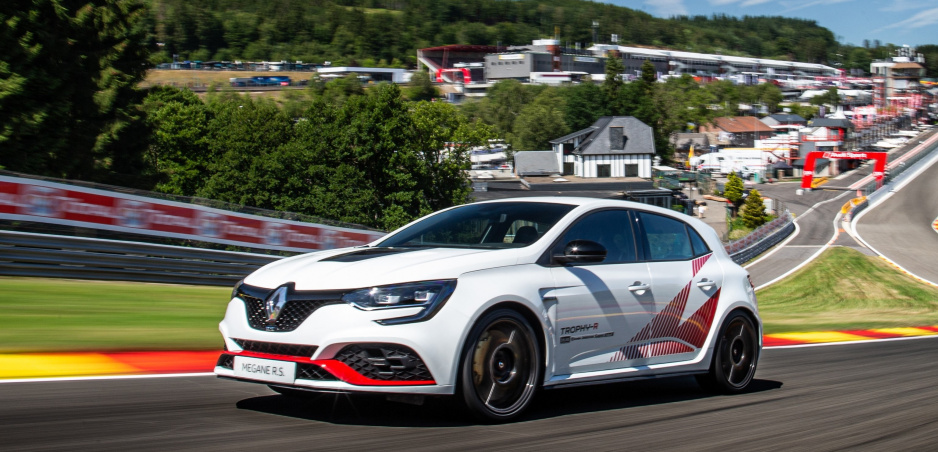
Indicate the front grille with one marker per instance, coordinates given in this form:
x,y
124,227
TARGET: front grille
x,y
226,361
294,312
274,348
313,372
385,362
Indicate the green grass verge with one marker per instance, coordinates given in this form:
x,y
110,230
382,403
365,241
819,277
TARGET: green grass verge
x,y
844,289
66,315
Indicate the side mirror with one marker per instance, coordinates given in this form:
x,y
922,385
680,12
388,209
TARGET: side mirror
x,y
581,252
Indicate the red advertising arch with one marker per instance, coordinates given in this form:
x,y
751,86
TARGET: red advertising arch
x,y
466,77
879,168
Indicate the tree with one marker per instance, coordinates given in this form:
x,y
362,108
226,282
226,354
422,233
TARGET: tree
x,y
244,137
733,189
766,94
539,122
583,105
613,86
178,125
681,101
67,98
640,100
830,97
754,210
443,181
725,95
931,59
421,88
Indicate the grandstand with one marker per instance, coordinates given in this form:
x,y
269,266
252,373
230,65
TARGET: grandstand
x,y
479,64
455,63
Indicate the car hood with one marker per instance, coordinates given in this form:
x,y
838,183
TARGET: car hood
x,y
353,268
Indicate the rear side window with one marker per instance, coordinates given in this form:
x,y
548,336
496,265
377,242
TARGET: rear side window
x,y
700,247
665,238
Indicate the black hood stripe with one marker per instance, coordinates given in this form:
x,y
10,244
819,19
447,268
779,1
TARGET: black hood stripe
x,y
365,254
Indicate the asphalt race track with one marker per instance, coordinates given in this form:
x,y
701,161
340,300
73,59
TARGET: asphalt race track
x,y
848,396
815,212
901,226
859,396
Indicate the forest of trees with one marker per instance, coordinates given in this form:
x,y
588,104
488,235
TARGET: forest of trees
x,y
388,32
71,107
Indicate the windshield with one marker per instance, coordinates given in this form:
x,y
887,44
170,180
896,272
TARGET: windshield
x,y
485,225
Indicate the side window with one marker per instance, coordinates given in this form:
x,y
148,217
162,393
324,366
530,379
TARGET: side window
x,y
700,247
610,228
665,238
523,232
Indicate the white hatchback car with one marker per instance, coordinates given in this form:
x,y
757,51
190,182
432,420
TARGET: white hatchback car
x,y
494,300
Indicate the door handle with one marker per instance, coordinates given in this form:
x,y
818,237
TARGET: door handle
x,y
639,288
706,284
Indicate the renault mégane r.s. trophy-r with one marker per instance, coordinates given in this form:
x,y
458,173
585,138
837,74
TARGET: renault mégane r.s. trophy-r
x,y
493,301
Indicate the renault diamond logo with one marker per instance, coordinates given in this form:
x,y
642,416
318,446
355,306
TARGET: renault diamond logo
x,y
274,304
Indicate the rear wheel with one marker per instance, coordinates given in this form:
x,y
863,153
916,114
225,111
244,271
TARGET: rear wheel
x,y
501,366
734,357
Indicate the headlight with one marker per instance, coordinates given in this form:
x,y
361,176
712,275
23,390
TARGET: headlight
x,y
429,295
236,288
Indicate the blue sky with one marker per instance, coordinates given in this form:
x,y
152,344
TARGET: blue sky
x,y
900,22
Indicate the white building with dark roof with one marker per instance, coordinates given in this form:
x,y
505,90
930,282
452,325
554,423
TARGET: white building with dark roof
x,y
614,146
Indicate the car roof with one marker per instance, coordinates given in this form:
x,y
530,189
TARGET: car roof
x,y
578,201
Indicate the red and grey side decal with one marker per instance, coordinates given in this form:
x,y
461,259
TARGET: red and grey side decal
x,y
665,334
698,263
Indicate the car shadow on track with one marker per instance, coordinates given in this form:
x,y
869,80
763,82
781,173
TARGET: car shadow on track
x,y
446,412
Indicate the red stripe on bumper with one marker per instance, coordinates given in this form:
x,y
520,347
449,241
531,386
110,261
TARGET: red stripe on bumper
x,y
337,368
345,373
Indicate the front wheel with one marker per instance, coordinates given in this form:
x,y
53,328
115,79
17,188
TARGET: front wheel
x,y
501,366
734,357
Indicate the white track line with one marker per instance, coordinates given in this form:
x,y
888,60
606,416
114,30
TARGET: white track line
x,y
893,191
864,341
208,374
813,256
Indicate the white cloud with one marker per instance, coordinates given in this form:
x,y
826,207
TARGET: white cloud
x,y
922,19
905,5
754,2
666,8
796,5
741,2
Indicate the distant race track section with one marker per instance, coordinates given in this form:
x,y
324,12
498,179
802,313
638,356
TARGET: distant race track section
x,y
23,199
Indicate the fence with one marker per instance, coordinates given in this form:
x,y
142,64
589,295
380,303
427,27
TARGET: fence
x,y
52,256
674,180
763,238
870,191
895,171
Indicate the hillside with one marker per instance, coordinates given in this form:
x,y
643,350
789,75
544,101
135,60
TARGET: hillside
x,y
388,32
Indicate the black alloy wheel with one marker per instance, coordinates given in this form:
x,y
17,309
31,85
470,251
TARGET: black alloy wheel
x,y
734,357
501,366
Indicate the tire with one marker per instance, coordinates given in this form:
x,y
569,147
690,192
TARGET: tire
x,y
735,356
500,367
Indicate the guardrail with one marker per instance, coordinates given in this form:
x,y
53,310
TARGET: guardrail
x,y
56,256
871,192
761,239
